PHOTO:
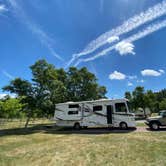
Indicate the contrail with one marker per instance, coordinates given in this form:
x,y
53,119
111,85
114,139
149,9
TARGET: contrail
x,y
129,25
7,75
147,31
35,29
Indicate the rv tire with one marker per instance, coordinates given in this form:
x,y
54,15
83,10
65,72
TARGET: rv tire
x,y
154,125
123,126
77,126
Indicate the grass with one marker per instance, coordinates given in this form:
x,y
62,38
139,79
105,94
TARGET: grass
x,y
40,146
20,123
141,123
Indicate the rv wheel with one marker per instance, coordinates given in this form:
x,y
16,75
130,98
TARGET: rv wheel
x,y
154,125
123,126
77,126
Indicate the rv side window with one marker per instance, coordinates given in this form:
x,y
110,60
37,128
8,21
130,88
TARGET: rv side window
x,y
120,107
73,105
86,110
97,108
72,112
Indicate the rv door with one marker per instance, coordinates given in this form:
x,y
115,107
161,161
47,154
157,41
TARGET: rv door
x,y
109,114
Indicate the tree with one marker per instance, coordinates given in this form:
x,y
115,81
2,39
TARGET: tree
x,y
101,91
162,104
150,100
138,97
50,86
26,93
11,108
161,95
82,85
20,87
128,96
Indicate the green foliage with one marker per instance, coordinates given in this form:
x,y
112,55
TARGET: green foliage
x,y
151,101
138,97
19,86
11,108
155,101
161,95
82,85
50,86
128,95
162,104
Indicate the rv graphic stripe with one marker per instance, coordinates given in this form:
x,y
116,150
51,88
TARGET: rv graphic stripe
x,y
122,114
59,110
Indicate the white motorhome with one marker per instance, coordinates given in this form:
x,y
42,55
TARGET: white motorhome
x,y
96,113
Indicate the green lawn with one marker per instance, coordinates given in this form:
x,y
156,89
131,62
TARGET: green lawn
x,y
140,124
39,146
20,123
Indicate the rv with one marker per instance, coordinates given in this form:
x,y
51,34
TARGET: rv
x,y
96,113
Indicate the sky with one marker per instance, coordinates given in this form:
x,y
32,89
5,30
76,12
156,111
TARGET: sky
x,y
122,42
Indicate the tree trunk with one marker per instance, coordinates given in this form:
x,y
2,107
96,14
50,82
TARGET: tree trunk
x,y
28,119
145,116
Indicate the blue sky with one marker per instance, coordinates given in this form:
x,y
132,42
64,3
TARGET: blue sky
x,y
122,41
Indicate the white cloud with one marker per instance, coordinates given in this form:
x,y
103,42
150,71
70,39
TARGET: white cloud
x,y
2,95
147,31
132,77
140,81
3,8
130,24
125,48
161,71
151,72
117,76
129,84
112,39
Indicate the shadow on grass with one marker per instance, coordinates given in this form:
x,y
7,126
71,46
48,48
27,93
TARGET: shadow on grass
x,y
53,129
160,129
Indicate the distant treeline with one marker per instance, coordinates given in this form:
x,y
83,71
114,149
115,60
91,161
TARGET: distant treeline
x,y
155,101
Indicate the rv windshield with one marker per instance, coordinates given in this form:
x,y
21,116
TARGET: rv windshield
x,y
129,106
120,107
